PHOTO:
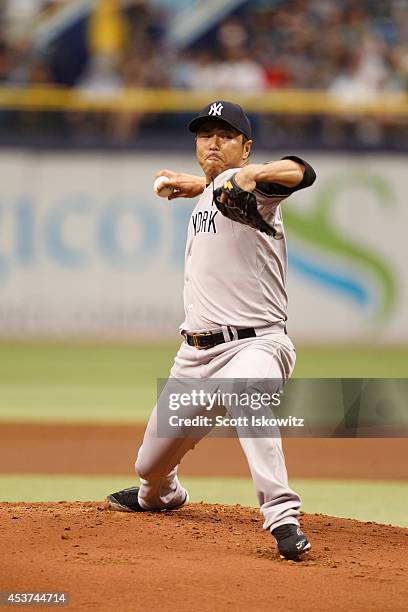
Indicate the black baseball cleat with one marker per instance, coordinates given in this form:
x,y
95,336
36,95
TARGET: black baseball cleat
x,y
292,542
127,501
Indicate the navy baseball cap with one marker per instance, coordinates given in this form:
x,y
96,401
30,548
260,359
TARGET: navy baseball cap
x,y
223,111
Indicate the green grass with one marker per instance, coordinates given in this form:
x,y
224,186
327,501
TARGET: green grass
x,y
80,383
362,500
352,362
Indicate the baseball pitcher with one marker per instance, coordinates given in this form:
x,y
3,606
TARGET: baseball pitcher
x,y
235,309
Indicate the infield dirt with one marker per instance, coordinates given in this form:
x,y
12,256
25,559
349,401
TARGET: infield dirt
x,y
202,557
111,449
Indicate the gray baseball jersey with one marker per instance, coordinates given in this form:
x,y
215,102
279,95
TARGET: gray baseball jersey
x,y
235,275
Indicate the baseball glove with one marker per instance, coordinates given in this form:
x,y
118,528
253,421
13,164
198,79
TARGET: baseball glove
x,y
241,206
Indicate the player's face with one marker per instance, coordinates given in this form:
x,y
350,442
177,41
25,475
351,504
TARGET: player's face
x,y
219,147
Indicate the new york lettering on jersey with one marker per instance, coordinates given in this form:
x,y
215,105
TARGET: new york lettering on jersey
x,y
204,221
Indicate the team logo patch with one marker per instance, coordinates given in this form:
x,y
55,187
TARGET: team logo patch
x,y
215,109
228,185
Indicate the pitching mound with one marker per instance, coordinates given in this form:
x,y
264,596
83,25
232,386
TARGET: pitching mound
x,y
202,557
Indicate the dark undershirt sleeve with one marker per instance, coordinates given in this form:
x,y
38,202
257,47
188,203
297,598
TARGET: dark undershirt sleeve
x,y
275,189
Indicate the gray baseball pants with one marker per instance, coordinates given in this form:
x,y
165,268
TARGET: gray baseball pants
x,y
270,355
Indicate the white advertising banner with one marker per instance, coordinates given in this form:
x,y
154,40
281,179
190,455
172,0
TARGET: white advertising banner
x,y
87,249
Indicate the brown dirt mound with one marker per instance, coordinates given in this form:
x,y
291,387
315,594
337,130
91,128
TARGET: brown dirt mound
x,y
202,557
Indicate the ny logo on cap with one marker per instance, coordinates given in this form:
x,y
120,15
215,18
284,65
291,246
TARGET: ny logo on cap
x,y
216,109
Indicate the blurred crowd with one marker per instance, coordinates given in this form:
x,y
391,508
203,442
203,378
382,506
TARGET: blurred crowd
x,y
353,47
350,48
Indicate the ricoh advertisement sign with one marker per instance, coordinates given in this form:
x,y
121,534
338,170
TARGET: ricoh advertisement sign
x,y
87,249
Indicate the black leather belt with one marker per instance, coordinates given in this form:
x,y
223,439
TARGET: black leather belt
x,y
207,340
